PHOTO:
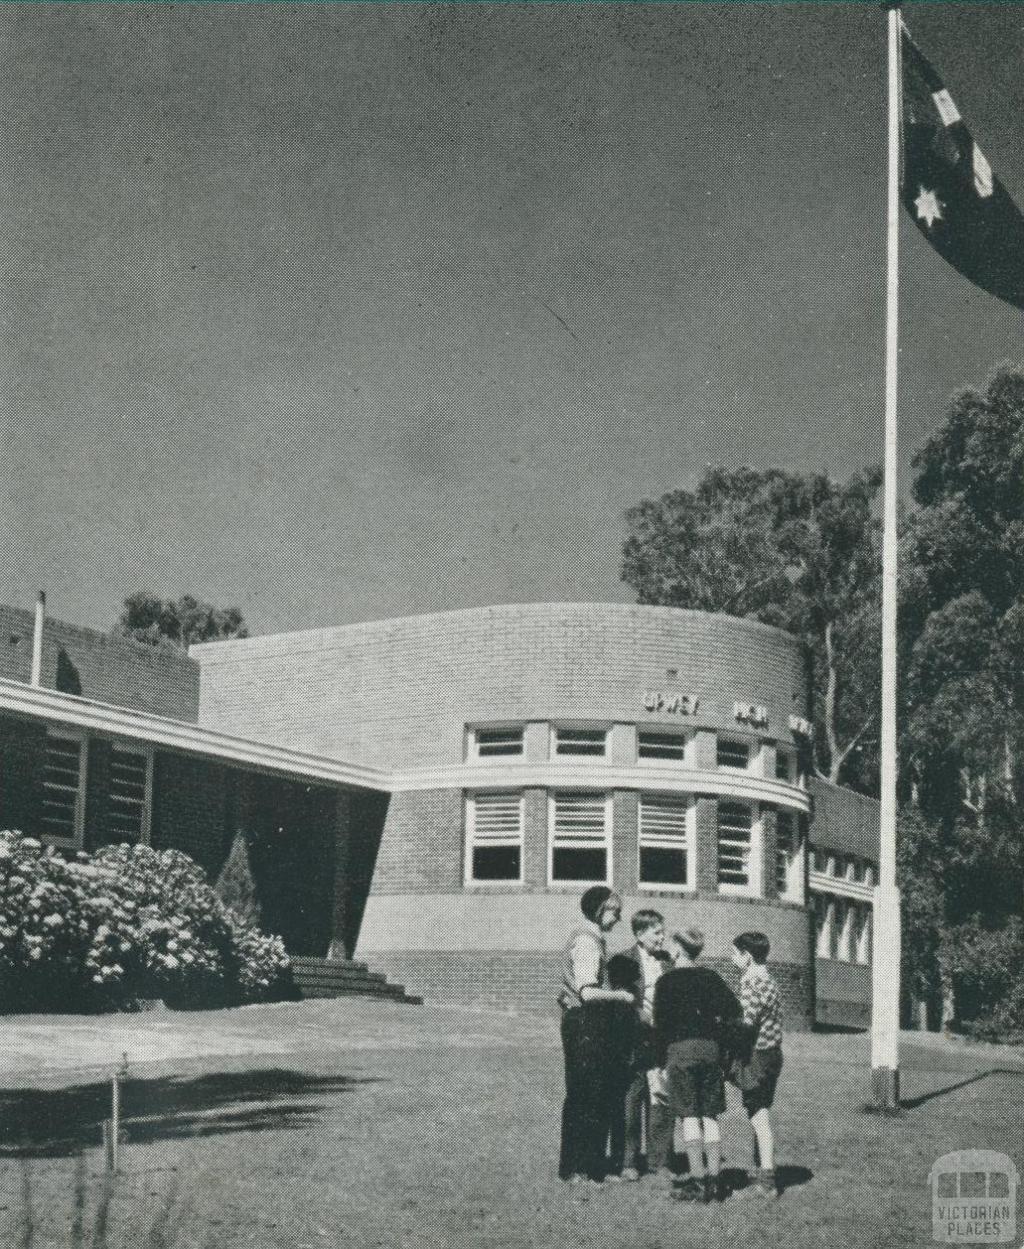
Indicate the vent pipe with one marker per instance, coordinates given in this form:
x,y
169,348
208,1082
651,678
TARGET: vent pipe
x,y
37,640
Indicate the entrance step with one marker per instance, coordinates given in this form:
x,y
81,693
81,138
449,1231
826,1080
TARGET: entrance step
x,y
343,977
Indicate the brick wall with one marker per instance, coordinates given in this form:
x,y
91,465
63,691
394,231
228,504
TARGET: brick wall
x,y
530,980
100,667
446,943
398,693
421,849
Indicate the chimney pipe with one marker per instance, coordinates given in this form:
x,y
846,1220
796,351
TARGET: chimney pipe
x,y
37,640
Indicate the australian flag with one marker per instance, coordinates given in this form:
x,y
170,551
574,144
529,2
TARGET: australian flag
x,y
949,189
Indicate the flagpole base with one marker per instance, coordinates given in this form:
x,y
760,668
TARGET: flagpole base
x,y
885,1090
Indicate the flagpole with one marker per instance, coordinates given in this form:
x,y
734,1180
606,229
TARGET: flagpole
x,y
885,962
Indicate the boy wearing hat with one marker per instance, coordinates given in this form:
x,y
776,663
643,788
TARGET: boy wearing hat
x,y
762,1018
692,1006
583,999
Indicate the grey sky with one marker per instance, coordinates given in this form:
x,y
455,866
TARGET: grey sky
x,y
336,312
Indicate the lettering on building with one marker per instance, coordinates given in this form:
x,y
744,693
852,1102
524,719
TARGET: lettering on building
x,y
797,724
671,703
752,714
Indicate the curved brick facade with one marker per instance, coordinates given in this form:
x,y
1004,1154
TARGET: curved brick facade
x,y
398,693
554,714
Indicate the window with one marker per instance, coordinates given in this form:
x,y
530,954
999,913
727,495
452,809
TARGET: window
x,y
127,795
735,837
864,935
488,743
787,857
733,754
580,741
664,840
824,919
63,788
579,838
494,841
844,942
655,745
783,765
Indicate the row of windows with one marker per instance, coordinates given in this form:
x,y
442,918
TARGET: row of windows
x,y
579,842
657,745
846,867
842,929
129,771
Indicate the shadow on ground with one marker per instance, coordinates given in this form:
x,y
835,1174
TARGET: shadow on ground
x,y
912,1103
736,1181
37,1123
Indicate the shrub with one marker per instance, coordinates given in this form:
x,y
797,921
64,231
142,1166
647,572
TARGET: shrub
x,y
126,924
988,967
236,887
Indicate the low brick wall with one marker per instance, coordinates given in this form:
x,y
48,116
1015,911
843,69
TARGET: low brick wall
x,y
529,980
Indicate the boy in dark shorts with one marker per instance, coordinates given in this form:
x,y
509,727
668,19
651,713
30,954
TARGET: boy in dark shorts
x,y
692,1007
624,1054
762,1018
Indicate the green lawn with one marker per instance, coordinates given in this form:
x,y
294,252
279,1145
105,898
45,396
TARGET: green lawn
x,y
362,1123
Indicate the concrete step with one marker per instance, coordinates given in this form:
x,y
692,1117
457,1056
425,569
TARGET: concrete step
x,y
320,978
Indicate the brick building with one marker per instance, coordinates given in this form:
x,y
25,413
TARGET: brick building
x,y
108,749
434,793
532,750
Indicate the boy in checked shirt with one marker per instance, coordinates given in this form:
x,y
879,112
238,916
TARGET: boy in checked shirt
x,y
762,1018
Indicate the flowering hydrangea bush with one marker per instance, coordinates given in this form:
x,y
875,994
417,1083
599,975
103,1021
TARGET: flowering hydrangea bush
x,y
129,923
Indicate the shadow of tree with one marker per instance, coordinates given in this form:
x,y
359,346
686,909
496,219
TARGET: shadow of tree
x,y
61,1122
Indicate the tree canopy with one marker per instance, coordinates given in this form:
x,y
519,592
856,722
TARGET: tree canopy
x,y
962,680
787,549
161,622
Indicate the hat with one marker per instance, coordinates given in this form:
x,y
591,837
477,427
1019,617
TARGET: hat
x,y
692,940
593,900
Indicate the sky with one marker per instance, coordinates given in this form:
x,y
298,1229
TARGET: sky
x,y
338,312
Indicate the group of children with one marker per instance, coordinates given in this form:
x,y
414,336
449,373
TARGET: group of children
x,y
650,1038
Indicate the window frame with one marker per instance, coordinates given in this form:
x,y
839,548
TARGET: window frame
x,y
754,885
77,839
470,809
688,846
557,730
793,891
726,740
862,936
824,933
845,939
474,731
146,752
606,798
681,736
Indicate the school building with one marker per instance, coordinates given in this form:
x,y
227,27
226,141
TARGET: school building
x,y
432,794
